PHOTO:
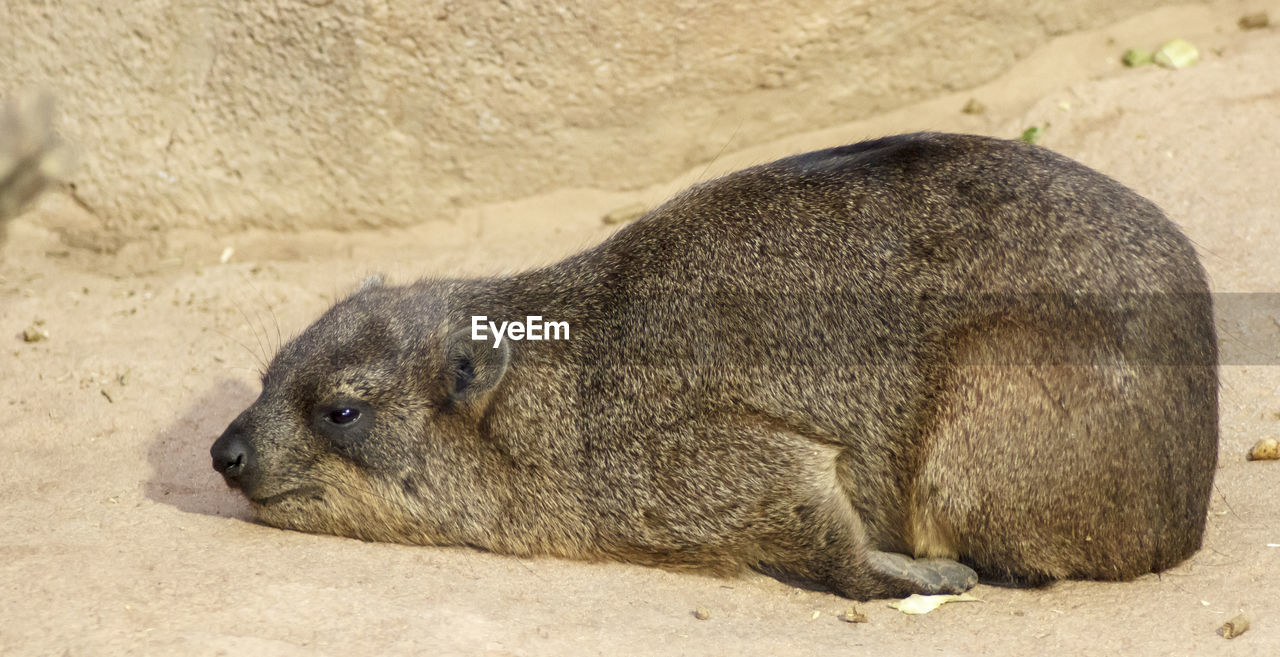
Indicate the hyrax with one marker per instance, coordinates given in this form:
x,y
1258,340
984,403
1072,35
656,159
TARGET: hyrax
x,y
880,367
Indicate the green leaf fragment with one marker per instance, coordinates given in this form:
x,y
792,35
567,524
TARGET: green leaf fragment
x,y
1177,54
1136,57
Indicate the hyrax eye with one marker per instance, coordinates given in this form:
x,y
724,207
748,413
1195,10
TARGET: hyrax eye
x,y
342,415
345,422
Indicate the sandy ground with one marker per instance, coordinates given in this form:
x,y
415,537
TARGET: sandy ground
x,y
119,538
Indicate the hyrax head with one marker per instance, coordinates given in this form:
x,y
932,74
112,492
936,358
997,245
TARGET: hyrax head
x,y
367,424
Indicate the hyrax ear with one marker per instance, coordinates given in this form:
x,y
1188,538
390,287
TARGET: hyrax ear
x,y
473,366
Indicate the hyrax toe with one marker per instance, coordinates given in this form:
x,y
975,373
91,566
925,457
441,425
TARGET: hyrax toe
x,y
923,576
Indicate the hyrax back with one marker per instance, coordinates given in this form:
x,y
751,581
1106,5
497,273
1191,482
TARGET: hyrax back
x,y
952,348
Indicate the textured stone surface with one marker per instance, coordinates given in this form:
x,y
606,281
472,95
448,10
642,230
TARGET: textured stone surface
x,y
344,113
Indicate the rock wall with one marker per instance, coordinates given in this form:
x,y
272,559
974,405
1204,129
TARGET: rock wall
x,y
361,113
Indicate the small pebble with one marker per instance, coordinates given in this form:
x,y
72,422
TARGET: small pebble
x,y
1255,21
702,613
1234,627
852,615
974,107
624,214
35,333
1266,449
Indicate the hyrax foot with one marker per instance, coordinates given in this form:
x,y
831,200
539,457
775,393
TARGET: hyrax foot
x,y
923,576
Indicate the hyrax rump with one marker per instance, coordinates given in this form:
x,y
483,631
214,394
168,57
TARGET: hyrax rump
x,y
864,366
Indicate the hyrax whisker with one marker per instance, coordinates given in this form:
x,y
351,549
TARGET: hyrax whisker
x,y
720,153
261,354
271,312
257,358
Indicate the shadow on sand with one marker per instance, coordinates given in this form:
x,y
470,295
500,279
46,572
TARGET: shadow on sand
x,y
181,472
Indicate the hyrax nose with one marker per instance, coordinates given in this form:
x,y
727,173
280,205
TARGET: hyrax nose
x,y
232,456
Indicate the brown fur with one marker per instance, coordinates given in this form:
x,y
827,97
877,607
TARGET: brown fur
x,y
951,347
